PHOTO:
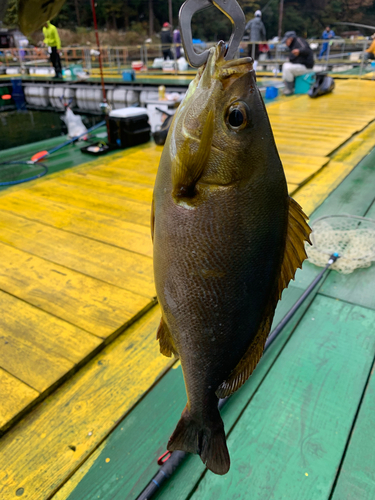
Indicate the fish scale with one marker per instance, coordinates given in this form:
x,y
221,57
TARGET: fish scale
x,y
227,240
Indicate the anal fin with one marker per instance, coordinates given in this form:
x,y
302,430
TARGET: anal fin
x,y
166,343
249,361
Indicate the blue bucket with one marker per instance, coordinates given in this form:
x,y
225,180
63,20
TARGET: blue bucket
x,y
128,75
303,83
271,92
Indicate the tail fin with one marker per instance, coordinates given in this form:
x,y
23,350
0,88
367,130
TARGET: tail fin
x,y
206,439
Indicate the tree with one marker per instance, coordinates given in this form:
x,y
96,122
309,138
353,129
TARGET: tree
x,y
11,17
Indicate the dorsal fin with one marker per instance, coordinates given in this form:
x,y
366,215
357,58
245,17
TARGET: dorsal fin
x,y
188,166
166,343
294,254
298,232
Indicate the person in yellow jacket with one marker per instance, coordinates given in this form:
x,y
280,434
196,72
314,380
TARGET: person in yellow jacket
x,y
370,52
52,40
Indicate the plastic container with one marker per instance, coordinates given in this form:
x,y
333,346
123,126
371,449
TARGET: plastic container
x,y
303,83
128,75
271,92
128,127
137,65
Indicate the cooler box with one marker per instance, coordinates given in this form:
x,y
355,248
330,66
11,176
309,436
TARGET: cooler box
x,y
128,127
303,83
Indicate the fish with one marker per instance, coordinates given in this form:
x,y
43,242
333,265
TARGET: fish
x,y
227,239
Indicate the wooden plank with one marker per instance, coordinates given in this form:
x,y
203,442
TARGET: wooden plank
x,y
49,334
14,397
305,160
346,199
299,173
123,189
123,209
357,287
313,194
55,289
88,223
35,366
122,174
357,475
291,438
56,437
317,190
144,439
112,265
342,201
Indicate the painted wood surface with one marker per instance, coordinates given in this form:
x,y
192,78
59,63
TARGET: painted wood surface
x,y
145,438
104,262
357,474
14,396
355,196
88,223
94,477
290,440
48,445
76,274
58,290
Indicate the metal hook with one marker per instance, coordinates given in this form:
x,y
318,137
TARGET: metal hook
x,y
228,7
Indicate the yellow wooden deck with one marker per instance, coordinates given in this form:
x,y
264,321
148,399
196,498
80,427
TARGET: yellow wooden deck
x,y
77,271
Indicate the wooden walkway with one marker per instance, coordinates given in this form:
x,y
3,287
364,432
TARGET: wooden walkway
x,y
77,271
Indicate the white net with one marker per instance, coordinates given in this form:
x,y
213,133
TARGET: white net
x,y
353,238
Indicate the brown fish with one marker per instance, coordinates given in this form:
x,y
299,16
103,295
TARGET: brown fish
x,y
227,241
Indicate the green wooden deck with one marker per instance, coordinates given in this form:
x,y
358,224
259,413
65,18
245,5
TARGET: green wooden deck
x,y
302,426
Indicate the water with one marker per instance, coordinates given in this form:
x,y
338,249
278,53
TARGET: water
x,y
24,127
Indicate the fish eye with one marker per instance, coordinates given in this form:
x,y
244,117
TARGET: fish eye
x,y
237,116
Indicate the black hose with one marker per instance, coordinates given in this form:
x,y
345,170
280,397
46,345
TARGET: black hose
x,y
177,457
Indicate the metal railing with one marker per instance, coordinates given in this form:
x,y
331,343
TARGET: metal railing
x,y
342,55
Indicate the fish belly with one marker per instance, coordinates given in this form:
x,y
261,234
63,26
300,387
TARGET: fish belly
x,y
215,267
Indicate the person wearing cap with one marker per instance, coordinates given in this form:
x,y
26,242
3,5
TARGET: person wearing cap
x,y
257,34
53,42
166,38
301,59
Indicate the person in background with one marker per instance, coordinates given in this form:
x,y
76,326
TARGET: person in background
x,y
166,38
257,34
301,60
177,42
370,52
53,42
326,35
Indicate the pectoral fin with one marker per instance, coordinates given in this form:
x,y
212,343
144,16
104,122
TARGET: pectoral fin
x,y
294,254
166,343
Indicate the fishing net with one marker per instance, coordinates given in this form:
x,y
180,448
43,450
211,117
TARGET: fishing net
x,y
17,172
353,238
